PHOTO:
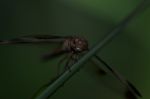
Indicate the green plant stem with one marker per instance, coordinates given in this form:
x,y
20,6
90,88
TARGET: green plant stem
x,y
52,88
130,87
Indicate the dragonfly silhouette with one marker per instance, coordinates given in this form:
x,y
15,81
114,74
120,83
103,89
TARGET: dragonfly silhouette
x,y
74,47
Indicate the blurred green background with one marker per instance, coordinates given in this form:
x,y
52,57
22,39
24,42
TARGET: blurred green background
x,y
22,73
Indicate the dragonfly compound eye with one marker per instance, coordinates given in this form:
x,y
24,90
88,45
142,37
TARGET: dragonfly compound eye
x,y
75,44
80,44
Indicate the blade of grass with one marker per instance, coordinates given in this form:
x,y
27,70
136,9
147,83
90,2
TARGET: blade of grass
x,y
52,88
122,79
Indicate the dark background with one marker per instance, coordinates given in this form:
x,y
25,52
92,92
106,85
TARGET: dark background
x,y
22,72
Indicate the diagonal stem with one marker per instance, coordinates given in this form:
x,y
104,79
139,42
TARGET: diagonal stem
x,y
122,79
74,69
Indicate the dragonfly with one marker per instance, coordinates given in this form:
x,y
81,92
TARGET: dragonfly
x,y
74,47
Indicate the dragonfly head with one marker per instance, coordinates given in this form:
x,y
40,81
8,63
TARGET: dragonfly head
x,y
76,44
79,44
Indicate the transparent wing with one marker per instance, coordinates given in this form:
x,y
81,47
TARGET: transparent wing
x,y
53,54
34,39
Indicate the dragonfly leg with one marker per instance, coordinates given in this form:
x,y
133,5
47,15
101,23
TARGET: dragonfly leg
x,y
57,52
69,62
59,65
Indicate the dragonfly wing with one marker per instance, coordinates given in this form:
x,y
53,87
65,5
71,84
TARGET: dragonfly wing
x,y
35,39
52,55
46,36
